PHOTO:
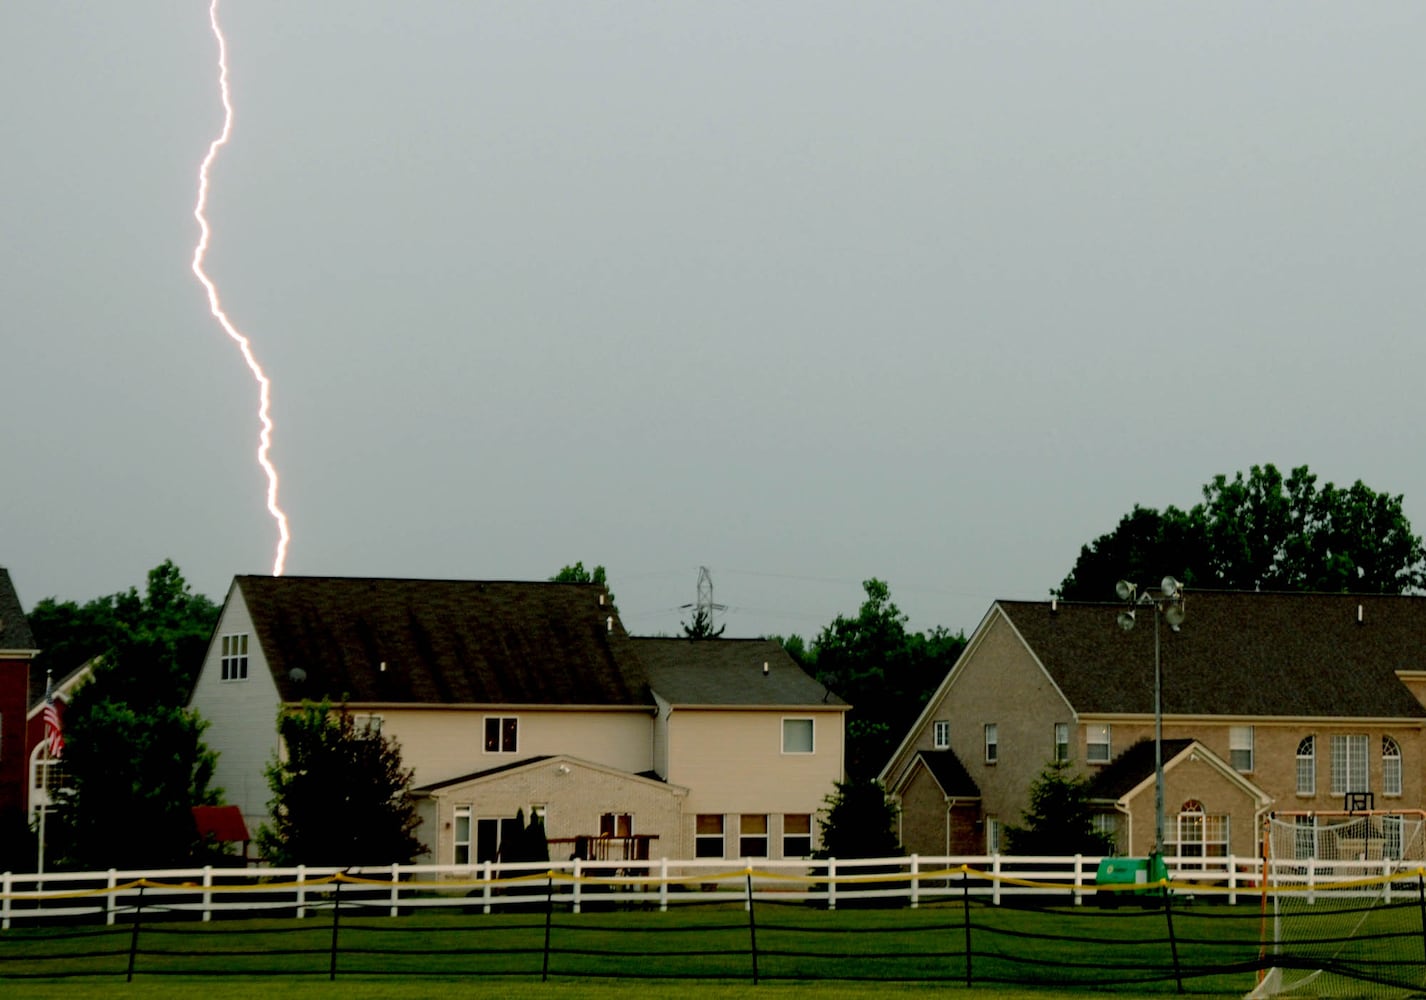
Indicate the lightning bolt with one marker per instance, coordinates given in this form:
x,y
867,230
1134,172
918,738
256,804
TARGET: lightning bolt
x,y
264,411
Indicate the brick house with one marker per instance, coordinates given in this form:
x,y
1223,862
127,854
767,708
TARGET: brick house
x,y
515,695
1270,702
17,649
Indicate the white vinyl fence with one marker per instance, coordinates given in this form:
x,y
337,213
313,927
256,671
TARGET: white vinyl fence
x,y
200,893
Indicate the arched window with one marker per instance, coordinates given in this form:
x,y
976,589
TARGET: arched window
x,y
1307,766
46,777
1200,835
1390,766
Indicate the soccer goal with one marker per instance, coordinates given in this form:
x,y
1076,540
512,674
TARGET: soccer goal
x,y
1342,912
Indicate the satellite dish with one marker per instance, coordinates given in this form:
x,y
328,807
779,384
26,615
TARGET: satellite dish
x,y
297,675
1125,590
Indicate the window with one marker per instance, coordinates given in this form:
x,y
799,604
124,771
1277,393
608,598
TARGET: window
x,y
1240,747
1349,764
46,778
1391,831
1200,835
1062,741
367,725
1307,766
500,734
941,734
1106,824
796,835
992,835
1097,744
1390,767
487,839
461,835
616,825
708,836
235,657
752,842
992,743
796,735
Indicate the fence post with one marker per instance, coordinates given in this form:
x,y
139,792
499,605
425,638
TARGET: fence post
x,y
1173,941
1421,906
207,893
1386,878
831,883
301,891
134,934
6,885
575,886
663,884
1077,892
549,915
915,881
336,921
965,917
486,876
112,902
995,880
752,927
395,890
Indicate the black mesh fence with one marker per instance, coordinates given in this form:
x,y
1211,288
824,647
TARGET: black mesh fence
x,y
744,926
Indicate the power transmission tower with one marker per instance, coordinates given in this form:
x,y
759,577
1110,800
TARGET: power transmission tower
x,y
703,608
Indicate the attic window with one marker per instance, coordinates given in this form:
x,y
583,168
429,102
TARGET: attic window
x,y
501,734
235,657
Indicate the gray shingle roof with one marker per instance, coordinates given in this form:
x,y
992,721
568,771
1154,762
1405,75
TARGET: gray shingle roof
x,y
728,672
950,773
1236,654
14,627
443,641
1131,768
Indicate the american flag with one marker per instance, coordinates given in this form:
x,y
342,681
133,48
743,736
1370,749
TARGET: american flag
x,y
54,734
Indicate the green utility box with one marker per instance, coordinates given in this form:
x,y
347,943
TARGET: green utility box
x,y
1140,872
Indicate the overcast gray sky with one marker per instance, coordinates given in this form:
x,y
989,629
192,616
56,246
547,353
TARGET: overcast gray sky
x,y
805,292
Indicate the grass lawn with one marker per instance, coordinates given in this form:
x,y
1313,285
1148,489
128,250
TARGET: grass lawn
x,y
689,953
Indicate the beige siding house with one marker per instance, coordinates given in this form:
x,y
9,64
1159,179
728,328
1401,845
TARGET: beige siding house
x,y
529,697
1271,702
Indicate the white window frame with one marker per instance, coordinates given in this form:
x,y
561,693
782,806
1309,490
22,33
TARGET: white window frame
x,y
703,842
614,823
233,661
796,845
462,840
1062,743
1091,742
1307,766
992,743
811,734
748,839
485,822
941,734
1200,835
507,734
1240,748
1350,769
367,724
1390,766
992,836
47,774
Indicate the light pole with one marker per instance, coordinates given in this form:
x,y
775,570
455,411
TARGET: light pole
x,y
1168,605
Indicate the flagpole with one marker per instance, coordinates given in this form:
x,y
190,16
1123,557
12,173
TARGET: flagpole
x,y
44,783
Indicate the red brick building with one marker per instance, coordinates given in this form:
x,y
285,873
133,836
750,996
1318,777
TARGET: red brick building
x,y
17,649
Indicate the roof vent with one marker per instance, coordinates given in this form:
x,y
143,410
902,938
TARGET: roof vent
x,y
609,624
1359,614
297,675
383,666
1054,605
765,668
601,598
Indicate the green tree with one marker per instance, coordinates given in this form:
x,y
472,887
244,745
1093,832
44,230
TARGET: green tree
x,y
134,758
796,647
1059,819
859,821
340,795
884,671
1262,531
135,767
702,626
578,574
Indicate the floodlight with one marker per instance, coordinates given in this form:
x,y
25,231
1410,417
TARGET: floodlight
x,y
1171,587
1173,614
1125,590
1126,620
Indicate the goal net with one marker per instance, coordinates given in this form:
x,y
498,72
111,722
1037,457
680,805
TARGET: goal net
x,y
1341,904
